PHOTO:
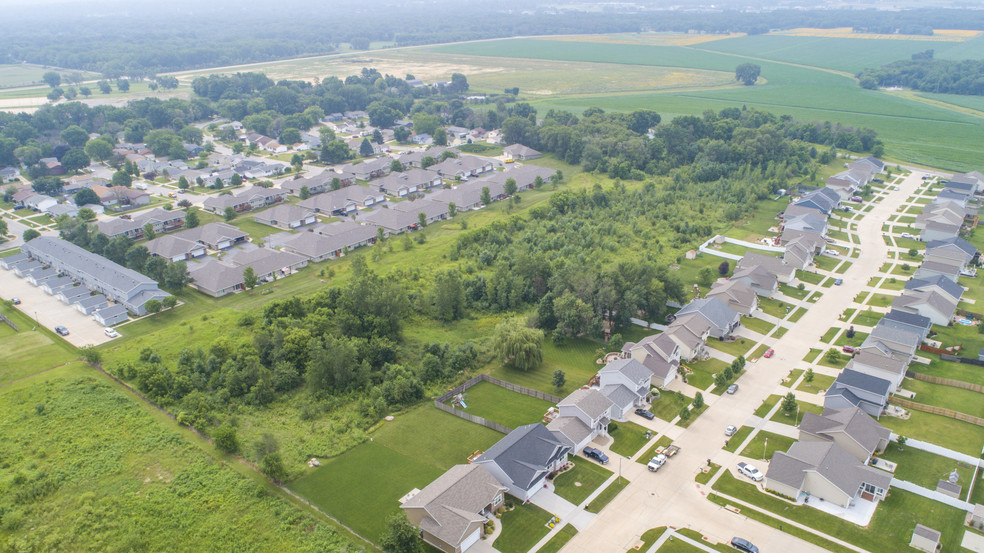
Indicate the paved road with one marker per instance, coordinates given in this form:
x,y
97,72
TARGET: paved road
x,y
671,497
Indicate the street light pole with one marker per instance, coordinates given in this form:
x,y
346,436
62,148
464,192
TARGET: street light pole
x,y
765,447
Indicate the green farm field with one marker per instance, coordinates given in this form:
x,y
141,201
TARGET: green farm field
x,y
799,78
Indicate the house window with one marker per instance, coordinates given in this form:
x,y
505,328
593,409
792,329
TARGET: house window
x,y
497,500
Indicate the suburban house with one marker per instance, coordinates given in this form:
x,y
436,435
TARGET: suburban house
x,y
118,226
40,202
723,319
251,198
822,199
88,305
939,231
451,511
218,278
844,185
174,248
736,294
826,471
215,236
933,305
873,363
874,164
53,285
370,168
315,185
354,234
939,283
160,220
408,182
951,213
799,254
336,202
520,152
931,269
852,429
813,222
465,197
9,174
462,167
902,342
392,221
523,459
784,272
433,211
960,187
758,279
414,158
214,278
911,322
286,217
951,251
690,332
95,272
582,416
626,383
856,389
660,353
330,241
973,177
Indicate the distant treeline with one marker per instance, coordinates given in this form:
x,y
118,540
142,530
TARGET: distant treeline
x,y
928,75
135,43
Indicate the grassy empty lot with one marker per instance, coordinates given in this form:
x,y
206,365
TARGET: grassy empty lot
x,y
926,469
522,527
361,487
764,444
949,369
503,406
890,528
629,438
578,483
28,351
668,406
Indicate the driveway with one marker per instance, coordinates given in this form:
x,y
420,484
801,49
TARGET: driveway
x,y
51,312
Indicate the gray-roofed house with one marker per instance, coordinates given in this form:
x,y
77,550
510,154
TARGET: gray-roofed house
x,y
175,248
39,276
783,271
852,429
900,341
520,152
938,283
724,320
464,166
913,322
591,410
116,282
24,269
216,236
933,305
160,220
856,389
112,315
433,211
286,217
759,279
408,182
12,261
660,353
392,221
523,459
823,199
336,202
871,362
932,269
925,539
214,278
71,294
320,247
451,511
626,383
951,251
939,231
251,198
736,294
826,471
315,185
119,226
54,285
960,186
370,168
90,304
690,332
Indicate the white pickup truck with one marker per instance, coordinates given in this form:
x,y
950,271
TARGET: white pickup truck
x,y
656,462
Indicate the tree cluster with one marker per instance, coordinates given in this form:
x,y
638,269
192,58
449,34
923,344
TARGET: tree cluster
x,y
926,74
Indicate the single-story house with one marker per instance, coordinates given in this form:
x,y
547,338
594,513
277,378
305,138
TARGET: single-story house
x,y
286,217
520,152
433,211
523,459
825,471
462,167
215,236
175,248
408,182
852,429
451,511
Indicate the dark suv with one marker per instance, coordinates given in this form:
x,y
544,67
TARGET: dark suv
x,y
742,544
644,413
596,454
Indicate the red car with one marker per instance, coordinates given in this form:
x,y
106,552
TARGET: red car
x,y
849,349
769,353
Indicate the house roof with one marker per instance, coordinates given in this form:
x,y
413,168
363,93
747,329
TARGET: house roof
x,y
951,288
92,301
824,199
899,336
265,260
572,430
523,455
937,267
852,421
390,219
689,329
411,177
453,501
114,310
955,243
769,263
959,186
910,319
620,395
632,369
927,533
860,381
87,263
713,309
117,226
735,291
659,367
830,461
758,276
429,208
932,298
284,213
211,274
884,362
591,401
213,233
170,245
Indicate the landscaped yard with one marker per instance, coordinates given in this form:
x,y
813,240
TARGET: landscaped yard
x,y
820,383
736,348
834,359
704,371
764,444
880,300
576,357
629,438
791,378
503,406
522,527
812,278
578,483
774,307
792,292
668,406
829,335
926,469
890,528
825,262
758,325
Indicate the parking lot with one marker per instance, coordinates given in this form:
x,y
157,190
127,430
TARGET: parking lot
x,y
51,312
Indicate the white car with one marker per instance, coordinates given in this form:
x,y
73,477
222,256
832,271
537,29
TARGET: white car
x,y
751,472
111,332
907,235
831,252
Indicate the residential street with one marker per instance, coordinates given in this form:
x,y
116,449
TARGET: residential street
x,y
671,497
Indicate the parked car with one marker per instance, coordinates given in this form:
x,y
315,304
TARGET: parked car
x,y
769,353
645,414
730,430
849,349
15,301
833,253
61,331
111,332
733,388
750,471
596,454
908,235
848,208
877,180
838,282
856,199
741,544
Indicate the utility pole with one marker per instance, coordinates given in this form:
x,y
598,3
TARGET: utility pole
x,y
765,447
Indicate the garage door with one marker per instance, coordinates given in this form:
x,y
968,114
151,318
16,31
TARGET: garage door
x,y
470,540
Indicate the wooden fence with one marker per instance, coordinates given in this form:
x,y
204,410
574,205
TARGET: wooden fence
x,y
4,319
945,381
936,410
969,314
931,349
441,402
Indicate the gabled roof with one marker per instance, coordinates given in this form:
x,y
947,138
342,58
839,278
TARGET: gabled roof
x,y
758,276
884,362
657,344
860,381
620,395
429,208
735,291
454,500
572,430
660,367
955,243
931,298
713,309
284,213
911,319
630,368
898,336
524,454
769,263
170,245
828,460
853,422
83,262
213,233
591,401
951,288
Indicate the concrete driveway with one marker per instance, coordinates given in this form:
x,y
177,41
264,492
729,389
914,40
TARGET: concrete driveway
x,y
51,312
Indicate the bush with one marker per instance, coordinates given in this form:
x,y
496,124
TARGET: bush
x,y
225,439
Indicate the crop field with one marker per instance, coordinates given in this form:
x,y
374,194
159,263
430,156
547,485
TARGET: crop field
x,y
800,78
26,74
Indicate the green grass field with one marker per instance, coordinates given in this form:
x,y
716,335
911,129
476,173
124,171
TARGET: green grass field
x,y
522,527
628,438
560,539
926,469
29,351
578,483
503,406
764,444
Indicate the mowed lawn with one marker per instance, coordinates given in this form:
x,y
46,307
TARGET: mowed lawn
x,y
578,483
926,469
503,406
361,487
575,357
28,351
